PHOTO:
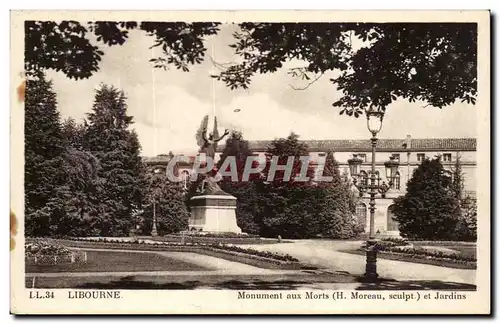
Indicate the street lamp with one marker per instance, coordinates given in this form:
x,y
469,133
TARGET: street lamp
x,y
391,169
374,124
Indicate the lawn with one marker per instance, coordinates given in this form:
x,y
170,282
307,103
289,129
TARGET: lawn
x,y
113,261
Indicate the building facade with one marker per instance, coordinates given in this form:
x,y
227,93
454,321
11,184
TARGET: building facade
x,y
409,152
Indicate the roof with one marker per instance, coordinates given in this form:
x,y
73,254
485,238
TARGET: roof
x,y
164,159
392,145
383,145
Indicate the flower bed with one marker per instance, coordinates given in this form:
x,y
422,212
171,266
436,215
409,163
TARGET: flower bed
x,y
444,242
45,253
395,240
395,245
402,250
264,254
233,253
229,238
216,235
420,252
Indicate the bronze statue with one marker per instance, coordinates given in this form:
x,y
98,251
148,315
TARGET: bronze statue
x,y
209,184
208,145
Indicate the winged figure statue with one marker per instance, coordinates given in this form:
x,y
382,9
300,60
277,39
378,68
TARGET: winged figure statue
x,y
208,144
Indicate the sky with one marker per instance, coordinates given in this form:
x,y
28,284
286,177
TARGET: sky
x,y
168,106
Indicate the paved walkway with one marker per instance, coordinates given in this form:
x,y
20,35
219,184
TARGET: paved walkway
x,y
326,254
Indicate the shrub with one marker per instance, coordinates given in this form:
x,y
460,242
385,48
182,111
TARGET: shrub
x,y
396,240
44,248
428,209
264,254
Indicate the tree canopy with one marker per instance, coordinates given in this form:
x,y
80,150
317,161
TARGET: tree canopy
x,y
68,46
374,63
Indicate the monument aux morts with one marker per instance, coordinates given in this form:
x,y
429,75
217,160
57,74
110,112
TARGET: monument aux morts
x,y
212,209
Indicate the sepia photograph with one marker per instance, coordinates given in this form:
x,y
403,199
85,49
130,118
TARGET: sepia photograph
x,y
263,158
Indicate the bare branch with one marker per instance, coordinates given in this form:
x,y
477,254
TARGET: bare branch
x,y
219,65
309,84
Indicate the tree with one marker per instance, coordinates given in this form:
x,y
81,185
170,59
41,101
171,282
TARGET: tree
x,y
43,145
287,208
335,217
117,148
457,184
76,207
466,229
165,199
432,62
247,211
429,209
467,224
73,133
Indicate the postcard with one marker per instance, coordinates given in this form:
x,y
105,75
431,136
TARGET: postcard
x,y
244,162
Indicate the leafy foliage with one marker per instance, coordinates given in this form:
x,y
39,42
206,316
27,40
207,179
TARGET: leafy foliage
x,y
165,199
336,215
43,145
429,209
375,63
287,207
246,192
466,229
73,133
88,179
431,62
304,209
108,138
67,46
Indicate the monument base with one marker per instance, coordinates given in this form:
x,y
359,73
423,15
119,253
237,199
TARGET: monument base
x,y
213,213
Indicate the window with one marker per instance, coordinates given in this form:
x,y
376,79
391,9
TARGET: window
x,y
447,157
362,157
396,184
420,157
322,154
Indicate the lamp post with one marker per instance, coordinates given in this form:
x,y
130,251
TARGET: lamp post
x,y
373,187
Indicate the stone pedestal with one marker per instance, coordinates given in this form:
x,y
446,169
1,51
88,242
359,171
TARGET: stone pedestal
x,y
213,213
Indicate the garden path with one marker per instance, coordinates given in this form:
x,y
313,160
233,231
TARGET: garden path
x,y
326,254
